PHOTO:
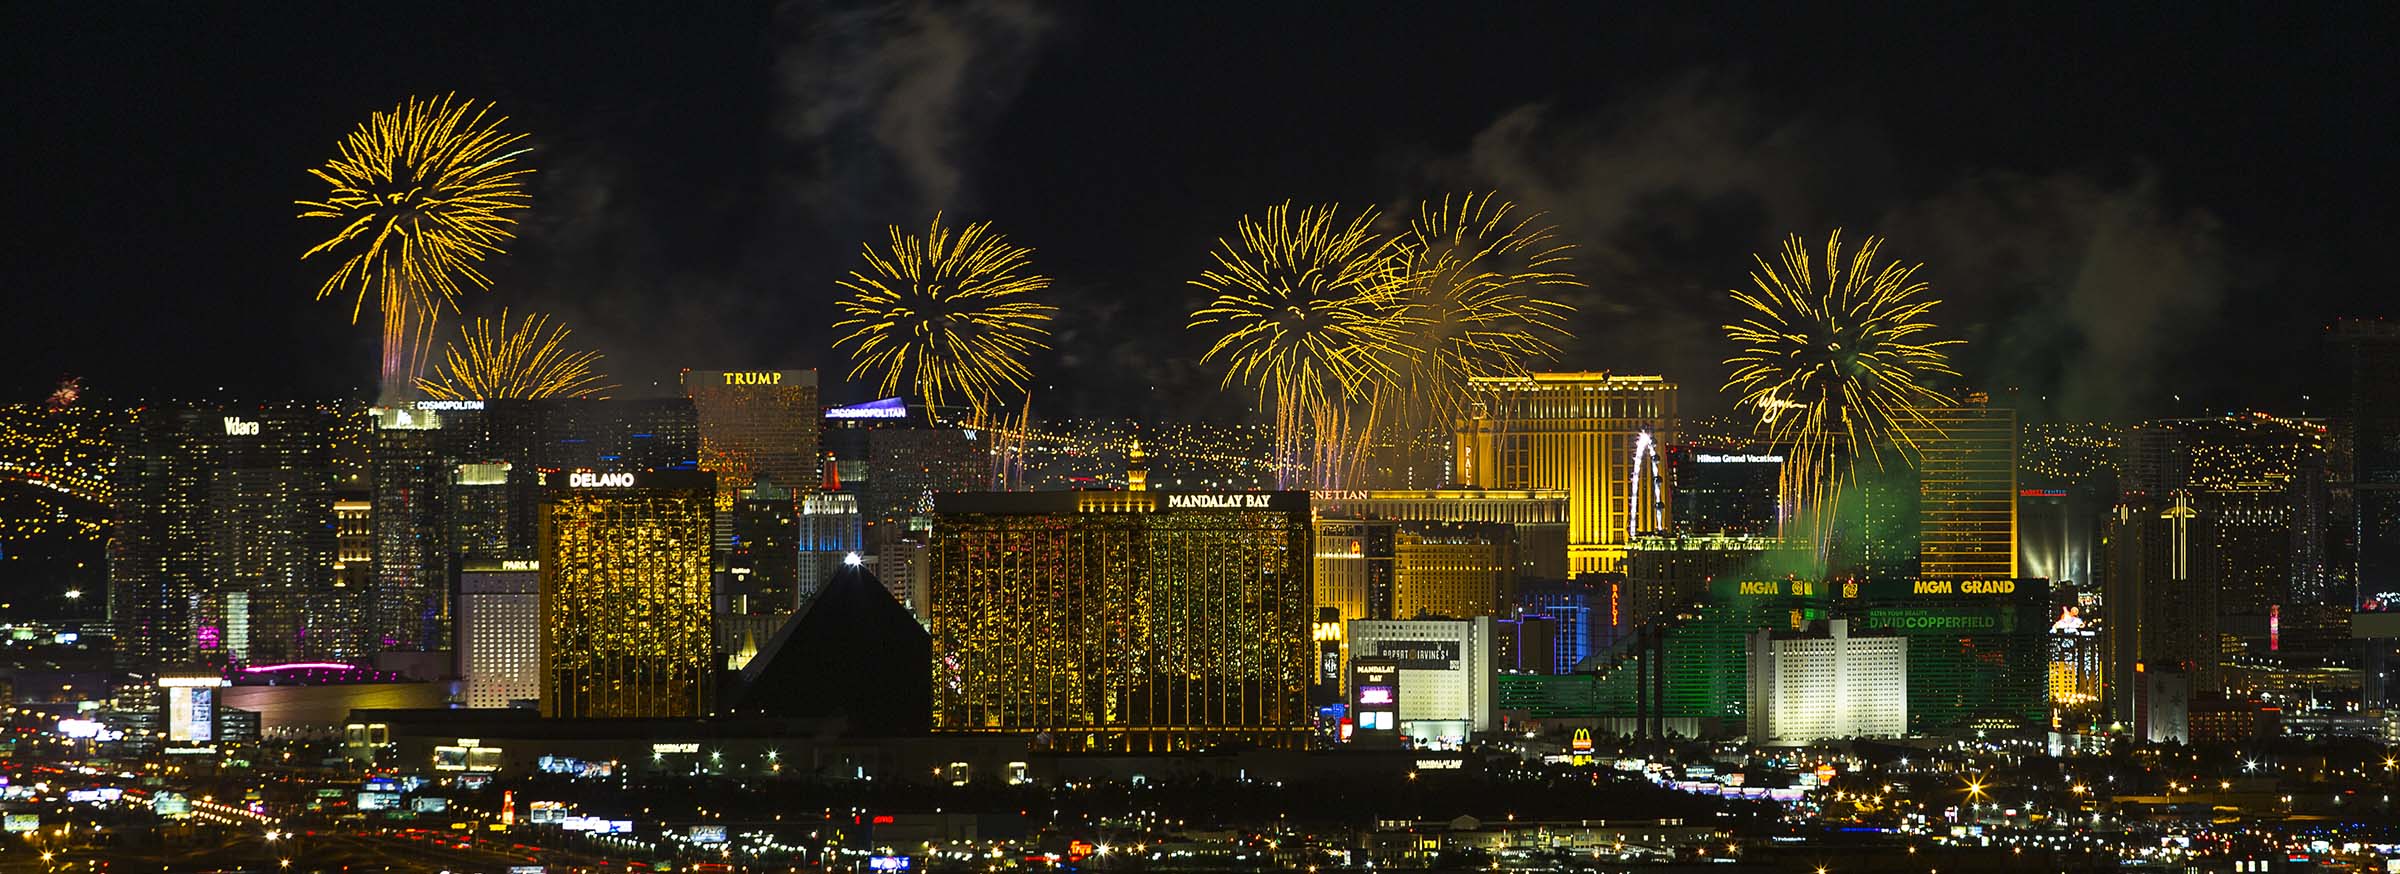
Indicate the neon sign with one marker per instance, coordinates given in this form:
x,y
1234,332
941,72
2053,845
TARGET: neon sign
x,y
589,480
1969,587
880,408
1218,502
300,666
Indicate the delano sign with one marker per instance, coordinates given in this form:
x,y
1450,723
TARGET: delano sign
x,y
1218,502
589,480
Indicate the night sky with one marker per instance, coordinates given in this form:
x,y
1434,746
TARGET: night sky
x,y
2119,205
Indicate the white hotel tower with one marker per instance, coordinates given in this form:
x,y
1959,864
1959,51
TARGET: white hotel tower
x,y
1823,686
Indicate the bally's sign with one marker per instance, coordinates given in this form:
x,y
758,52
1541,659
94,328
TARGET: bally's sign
x,y
590,480
1219,502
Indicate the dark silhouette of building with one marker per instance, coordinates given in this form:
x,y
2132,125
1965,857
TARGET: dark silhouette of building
x,y
852,653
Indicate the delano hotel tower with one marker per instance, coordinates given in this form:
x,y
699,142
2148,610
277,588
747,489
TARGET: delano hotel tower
x,y
625,594
1132,621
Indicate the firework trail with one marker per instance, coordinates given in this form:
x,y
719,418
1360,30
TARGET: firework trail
x,y
493,360
1305,310
419,196
947,313
1833,366
1474,270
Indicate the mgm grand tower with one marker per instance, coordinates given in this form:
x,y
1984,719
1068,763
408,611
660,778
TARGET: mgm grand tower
x,y
1133,621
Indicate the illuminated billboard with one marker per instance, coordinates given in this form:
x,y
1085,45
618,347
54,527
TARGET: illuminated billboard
x,y
708,834
1417,655
880,408
171,805
1375,698
191,713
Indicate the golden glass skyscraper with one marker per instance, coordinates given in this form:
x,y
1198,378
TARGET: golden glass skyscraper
x,y
625,594
757,422
1966,493
1123,621
1596,435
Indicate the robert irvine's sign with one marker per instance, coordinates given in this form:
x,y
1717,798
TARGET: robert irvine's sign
x,y
1419,655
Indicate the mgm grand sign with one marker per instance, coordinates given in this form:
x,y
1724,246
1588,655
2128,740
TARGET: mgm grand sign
x,y
1965,587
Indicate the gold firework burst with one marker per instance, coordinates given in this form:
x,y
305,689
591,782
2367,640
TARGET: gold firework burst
x,y
1833,366
1305,311
1474,269
493,360
419,195
947,313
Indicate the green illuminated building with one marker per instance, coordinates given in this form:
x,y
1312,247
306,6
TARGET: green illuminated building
x,y
1975,654
1976,650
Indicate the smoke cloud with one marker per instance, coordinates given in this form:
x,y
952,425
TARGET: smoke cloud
x,y
2084,290
893,97
2069,288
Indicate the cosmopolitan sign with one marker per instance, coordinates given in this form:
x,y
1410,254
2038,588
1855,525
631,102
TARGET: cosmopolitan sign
x,y
1218,502
881,408
589,480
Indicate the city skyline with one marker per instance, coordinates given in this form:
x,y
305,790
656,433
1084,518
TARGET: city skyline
x,y
909,437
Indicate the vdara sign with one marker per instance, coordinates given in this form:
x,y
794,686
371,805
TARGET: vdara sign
x,y
1218,502
1969,587
236,427
589,480
754,377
